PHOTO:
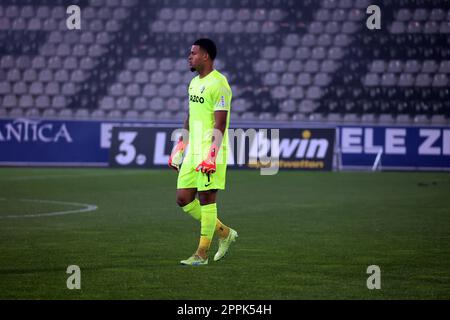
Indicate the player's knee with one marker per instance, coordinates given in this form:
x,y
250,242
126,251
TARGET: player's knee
x,y
207,197
182,200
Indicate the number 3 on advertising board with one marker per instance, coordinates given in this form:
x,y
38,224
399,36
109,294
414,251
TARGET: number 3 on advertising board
x,y
126,147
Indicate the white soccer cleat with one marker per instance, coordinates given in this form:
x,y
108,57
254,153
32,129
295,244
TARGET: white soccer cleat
x,y
224,245
194,260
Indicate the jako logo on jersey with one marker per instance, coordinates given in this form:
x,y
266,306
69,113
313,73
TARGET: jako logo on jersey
x,y
195,98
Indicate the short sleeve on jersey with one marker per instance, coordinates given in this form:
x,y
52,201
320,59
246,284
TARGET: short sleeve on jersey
x,y
221,97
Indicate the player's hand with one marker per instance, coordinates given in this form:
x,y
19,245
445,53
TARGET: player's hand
x,y
209,164
176,158
206,167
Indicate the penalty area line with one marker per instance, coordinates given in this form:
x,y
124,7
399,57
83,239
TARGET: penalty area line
x,y
84,208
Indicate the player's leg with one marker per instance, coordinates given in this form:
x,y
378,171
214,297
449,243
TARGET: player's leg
x,y
187,201
208,201
208,220
226,234
187,189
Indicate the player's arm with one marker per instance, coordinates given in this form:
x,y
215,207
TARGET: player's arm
x,y
220,123
176,158
186,123
221,110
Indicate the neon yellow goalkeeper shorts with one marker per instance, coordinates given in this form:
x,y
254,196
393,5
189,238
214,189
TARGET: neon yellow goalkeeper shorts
x,y
189,178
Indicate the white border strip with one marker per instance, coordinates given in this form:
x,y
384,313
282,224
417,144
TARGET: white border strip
x,y
86,208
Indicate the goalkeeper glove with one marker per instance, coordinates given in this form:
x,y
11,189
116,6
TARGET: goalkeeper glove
x,y
209,164
176,158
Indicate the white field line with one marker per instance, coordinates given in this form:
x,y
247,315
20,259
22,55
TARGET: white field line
x,y
84,208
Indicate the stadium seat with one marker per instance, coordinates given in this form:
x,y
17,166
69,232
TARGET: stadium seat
x,y
421,119
276,14
311,66
123,103
296,92
316,117
38,62
423,80
270,52
279,66
98,114
299,117
279,92
16,113
440,80
148,115
292,40
324,40
438,119
262,66
271,79
133,90
29,75
249,116
14,75
131,115
318,53
334,118
395,66
351,118
68,89
304,79
81,114
307,106
328,66
213,14
70,63
49,113
282,116
107,103
406,80
32,113
323,15
288,79
26,101
114,115
385,118
437,14
388,79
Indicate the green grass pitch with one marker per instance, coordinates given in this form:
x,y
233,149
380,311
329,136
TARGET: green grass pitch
x,y
302,235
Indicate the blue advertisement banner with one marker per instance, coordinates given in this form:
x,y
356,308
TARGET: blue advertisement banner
x,y
50,142
87,143
58,142
399,147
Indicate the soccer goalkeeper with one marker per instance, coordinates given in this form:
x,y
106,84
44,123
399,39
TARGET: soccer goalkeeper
x,y
203,169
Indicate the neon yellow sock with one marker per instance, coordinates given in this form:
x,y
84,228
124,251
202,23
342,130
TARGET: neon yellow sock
x,y
209,217
194,209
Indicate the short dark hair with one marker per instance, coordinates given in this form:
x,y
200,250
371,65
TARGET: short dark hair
x,y
208,45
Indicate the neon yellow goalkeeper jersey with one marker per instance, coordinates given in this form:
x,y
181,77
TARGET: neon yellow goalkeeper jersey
x,y
207,95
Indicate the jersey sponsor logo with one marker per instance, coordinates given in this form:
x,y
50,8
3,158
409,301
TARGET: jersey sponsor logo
x,y
194,98
202,89
222,102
